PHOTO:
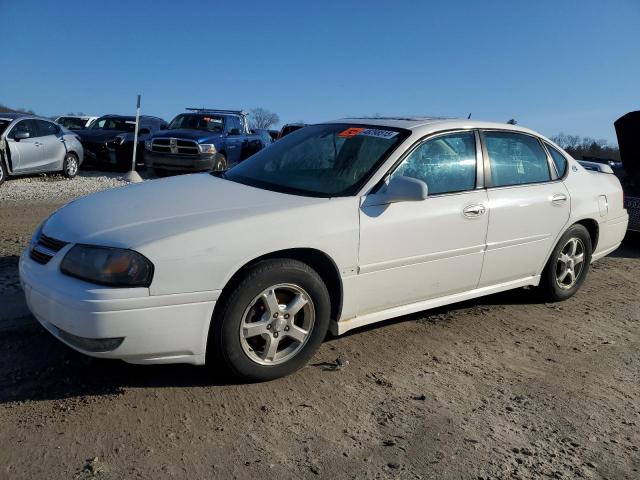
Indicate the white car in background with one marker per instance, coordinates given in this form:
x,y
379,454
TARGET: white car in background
x,y
76,122
31,144
336,226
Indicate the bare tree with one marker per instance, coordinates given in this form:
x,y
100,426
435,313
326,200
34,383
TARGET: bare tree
x,y
586,147
262,118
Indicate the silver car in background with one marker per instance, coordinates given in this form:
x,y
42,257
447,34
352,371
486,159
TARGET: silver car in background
x,y
31,144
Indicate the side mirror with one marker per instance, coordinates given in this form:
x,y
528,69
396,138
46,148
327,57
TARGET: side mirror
x,y
234,131
400,189
163,127
144,131
21,136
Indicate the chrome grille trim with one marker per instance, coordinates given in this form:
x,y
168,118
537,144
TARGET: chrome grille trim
x,y
179,146
45,249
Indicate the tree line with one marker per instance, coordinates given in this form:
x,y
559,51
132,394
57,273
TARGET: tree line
x,y
581,147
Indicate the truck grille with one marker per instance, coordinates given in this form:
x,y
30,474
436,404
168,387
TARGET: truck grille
x,y
632,204
45,248
174,146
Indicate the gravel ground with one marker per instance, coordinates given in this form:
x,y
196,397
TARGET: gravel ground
x,y
502,387
57,188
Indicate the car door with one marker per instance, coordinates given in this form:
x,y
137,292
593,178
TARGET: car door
x,y
26,153
234,141
528,206
413,251
53,146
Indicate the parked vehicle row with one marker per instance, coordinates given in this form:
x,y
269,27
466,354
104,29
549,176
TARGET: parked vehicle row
x,y
336,226
30,144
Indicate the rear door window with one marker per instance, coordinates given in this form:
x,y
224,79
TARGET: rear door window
x,y
516,159
46,128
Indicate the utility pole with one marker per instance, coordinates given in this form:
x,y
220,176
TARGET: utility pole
x,y
133,176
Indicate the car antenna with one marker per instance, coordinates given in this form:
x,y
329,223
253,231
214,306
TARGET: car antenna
x,y
469,116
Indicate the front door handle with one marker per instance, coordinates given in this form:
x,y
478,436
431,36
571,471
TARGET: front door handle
x,y
558,199
474,210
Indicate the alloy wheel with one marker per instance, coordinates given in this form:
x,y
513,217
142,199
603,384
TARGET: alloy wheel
x,y
570,263
72,165
277,324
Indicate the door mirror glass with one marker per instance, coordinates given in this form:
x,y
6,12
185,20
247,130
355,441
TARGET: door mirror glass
x,y
234,131
400,189
21,136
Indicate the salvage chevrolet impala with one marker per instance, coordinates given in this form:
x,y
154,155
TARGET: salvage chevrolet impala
x,y
336,226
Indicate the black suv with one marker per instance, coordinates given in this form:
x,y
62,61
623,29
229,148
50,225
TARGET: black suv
x,y
108,142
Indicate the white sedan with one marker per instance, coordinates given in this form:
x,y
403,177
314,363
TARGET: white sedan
x,y
336,226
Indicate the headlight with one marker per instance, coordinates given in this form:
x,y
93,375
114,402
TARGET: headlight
x,y
147,144
116,267
207,148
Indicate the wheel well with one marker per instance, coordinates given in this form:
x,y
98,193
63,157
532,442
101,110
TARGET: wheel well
x,y
319,261
593,229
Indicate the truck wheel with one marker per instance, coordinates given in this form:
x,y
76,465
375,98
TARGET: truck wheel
x,y
219,163
272,322
568,265
70,166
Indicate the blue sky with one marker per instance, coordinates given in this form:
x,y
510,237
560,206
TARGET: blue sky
x,y
569,65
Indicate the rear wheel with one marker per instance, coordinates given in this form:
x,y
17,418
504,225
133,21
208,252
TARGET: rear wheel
x,y
272,322
568,265
70,165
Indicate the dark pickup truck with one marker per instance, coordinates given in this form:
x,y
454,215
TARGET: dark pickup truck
x,y
202,140
628,132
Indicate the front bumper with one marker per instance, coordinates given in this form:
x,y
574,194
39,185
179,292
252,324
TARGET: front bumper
x,y
122,323
187,163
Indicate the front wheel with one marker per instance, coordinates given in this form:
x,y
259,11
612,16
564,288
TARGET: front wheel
x,y
568,265
3,172
272,322
219,163
70,166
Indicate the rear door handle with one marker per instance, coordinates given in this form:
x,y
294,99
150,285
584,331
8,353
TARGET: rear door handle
x,y
474,210
558,199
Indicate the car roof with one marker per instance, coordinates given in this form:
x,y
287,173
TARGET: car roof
x,y
14,115
424,125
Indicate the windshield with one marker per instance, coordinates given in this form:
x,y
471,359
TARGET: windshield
x,y
3,125
72,123
327,160
118,123
189,121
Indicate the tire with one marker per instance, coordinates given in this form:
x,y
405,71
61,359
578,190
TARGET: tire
x,y
219,163
564,274
71,165
3,171
245,351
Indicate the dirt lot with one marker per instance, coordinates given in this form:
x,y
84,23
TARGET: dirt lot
x,y
502,387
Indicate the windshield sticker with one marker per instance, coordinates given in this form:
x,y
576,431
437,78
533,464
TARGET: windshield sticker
x,y
350,132
378,133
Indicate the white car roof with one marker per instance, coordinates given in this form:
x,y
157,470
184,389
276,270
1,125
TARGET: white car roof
x,y
426,125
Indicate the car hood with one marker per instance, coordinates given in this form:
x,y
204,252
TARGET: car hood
x,y
197,135
145,212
